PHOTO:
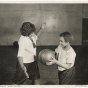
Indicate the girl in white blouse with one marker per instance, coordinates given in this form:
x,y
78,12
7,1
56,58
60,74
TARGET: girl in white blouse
x,y
27,66
65,59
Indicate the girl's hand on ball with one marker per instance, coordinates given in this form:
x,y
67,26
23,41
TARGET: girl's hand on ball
x,y
53,60
49,63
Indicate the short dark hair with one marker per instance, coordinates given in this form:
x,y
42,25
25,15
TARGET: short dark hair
x,y
27,28
67,36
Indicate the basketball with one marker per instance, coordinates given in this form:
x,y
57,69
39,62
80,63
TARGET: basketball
x,y
45,55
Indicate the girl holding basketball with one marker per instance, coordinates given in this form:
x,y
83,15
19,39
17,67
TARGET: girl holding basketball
x,y
65,58
27,66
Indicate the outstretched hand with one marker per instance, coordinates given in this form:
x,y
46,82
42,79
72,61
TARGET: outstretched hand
x,y
43,25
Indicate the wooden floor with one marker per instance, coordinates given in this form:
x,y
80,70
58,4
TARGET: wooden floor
x,y
48,74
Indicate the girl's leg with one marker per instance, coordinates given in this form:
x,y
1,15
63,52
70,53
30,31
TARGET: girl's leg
x,y
67,77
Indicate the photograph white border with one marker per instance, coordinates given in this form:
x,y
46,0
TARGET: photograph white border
x,y
43,1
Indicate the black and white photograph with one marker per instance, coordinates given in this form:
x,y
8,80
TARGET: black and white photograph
x,y
43,43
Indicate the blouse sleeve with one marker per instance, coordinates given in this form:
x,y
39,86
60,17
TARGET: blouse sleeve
x,y
71,58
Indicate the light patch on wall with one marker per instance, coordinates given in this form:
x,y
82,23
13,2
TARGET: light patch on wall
x,y
50,23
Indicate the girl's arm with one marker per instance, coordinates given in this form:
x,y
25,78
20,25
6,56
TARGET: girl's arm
x,y
66,66
42,27
20,59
